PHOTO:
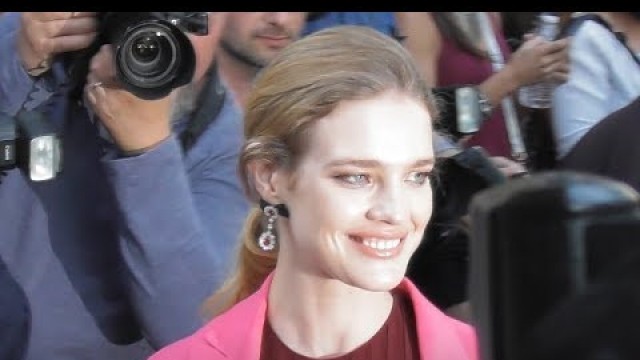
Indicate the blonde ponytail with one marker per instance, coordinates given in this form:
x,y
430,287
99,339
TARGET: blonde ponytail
x,y
306,82
253,266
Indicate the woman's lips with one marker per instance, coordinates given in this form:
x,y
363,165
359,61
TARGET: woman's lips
x,y
378,247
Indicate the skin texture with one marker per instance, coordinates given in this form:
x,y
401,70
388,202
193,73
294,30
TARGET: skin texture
x,y
43,35
364,175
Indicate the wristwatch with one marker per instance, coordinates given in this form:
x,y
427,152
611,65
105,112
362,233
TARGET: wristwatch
x,y
485,106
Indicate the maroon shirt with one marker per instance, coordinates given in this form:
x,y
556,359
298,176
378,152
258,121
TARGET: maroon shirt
x,y
395,340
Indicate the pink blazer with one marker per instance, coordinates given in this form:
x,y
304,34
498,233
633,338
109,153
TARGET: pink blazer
x,y
237,333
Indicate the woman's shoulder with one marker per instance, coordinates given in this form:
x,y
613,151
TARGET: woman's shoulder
x,y
221,336
226,335
193,347
437,330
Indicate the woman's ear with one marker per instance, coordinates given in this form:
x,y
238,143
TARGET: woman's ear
x,y
267,180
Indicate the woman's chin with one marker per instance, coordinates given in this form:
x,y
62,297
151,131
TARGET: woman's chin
x,y
379,280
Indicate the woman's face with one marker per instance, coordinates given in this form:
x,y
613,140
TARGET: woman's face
x,y
361,197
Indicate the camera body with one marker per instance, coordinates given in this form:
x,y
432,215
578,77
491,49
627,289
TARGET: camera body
x,y
152,55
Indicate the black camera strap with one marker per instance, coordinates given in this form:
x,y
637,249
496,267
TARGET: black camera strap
x,y
210,104
575,22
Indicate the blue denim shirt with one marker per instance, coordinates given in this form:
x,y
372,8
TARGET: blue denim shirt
x,y
115,248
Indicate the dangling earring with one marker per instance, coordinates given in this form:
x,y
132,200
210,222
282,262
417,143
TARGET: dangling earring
x,y
267,240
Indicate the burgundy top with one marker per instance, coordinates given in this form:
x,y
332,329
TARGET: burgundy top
x,y
395,340
458,67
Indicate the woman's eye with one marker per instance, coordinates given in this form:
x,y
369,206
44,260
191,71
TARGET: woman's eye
x,y
355,179
418,177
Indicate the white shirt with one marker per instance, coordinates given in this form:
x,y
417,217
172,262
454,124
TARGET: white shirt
x,y
603,78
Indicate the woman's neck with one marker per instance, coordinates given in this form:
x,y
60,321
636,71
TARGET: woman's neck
x,y
316,317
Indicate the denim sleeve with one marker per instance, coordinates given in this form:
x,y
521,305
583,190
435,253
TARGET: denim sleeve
x,y
182,218
15,83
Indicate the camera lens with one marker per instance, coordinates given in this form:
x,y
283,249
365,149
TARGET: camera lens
x,y
146,49
152,56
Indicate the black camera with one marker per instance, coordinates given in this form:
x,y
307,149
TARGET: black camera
x,y
153,55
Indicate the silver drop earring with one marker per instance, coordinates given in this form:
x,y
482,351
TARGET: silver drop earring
x,y
267,240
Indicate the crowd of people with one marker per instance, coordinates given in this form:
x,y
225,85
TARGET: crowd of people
x,y
291,186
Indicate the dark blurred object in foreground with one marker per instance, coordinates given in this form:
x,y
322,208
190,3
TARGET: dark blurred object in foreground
x,y
554,268
440,265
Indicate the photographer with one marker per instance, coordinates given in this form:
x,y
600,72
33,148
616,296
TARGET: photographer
x,y
138,228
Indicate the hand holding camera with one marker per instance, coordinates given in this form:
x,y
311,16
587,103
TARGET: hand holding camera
x,y
45,34
152,53
135,124
148,56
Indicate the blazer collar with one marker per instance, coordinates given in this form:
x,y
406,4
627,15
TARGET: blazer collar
x,y
237,333
440,336
246,318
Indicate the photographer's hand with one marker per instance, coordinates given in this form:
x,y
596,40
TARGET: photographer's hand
x,y
42,35
135,124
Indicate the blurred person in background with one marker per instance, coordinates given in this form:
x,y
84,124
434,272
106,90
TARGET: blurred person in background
x,y
463,59
459,54
249,41
117,252
605,74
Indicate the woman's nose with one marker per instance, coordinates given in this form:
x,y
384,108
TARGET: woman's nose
x,y
389,206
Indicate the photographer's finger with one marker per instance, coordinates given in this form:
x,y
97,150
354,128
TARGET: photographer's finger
x,y
102,65
78,15
72,42
49,16
90,96
95,90
92,82
76,26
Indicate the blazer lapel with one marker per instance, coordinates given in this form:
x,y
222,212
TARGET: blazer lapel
x,y
440,337
237,334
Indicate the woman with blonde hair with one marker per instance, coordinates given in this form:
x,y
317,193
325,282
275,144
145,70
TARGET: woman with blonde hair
x,y
337,157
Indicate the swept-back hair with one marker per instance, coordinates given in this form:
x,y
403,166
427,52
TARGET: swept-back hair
x,y
304,83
